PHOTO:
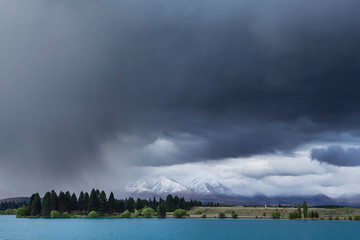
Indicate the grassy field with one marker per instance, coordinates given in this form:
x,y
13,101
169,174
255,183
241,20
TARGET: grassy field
x,y
262,212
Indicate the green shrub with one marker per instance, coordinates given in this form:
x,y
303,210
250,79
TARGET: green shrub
x,y
293,215
330,217
55,214
203,216
180,213
66,215
198,212
234,215
22,212
93,214
221,215
337,218
350,218
264,214
147,212
10,212
125,214
275,215
357,218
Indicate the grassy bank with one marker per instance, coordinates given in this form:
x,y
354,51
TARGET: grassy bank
x,y
265,212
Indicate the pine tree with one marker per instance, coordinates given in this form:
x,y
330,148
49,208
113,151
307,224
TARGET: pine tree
x,y
45,209
62,202
129,204
169,203
81,202
139,204
54,201
36,205
86,205
94,201
120,206
305,209
102,203
111,204
74,202
67,201
161,211
298,211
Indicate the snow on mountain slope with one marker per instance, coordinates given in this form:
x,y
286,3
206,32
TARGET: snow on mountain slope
x,y
208,186
158,186
162,186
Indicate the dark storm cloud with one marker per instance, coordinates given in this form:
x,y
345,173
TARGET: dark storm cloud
x,y
337,155
237,77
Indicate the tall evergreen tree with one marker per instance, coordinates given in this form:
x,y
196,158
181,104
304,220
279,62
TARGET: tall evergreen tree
x,y
102,203
94,201
81,202
139,204
154,203
161,210
54,201
74,202
120,205
169,203
62,202
67,201
86,198
130,204
30,203
36,205
298,211
45,208
305,209
111,204
176,202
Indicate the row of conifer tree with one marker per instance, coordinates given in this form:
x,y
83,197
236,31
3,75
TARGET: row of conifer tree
x,y
98,201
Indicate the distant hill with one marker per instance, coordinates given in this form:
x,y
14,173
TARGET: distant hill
x,y
208,190
15,199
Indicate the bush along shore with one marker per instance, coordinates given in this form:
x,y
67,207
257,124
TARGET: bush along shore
x,y
97,205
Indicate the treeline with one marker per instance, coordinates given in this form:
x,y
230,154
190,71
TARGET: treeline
x,y
304,212
11,205
99,202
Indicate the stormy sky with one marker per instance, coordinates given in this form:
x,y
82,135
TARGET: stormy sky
x,y
262,95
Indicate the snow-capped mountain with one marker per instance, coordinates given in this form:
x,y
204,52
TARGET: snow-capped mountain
x,y
161,186
208,186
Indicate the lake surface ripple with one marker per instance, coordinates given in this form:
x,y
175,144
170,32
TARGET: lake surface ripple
x,y
12,228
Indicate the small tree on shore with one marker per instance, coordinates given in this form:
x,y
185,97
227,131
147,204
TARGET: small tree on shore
x,y
179,213
305,209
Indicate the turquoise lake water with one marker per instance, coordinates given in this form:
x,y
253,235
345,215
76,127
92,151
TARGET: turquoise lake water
x,y
12,228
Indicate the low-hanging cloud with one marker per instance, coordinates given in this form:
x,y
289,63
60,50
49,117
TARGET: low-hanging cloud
x,y
337,155
236,78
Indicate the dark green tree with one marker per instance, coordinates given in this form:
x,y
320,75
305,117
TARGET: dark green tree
x,y
87,197
120,206
161,210
94,201
62,202
111,204
45,208
74,202
67,201
81,202
102,203
54,201
298,211
36,205
305,209
169,203
139,205
130,204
